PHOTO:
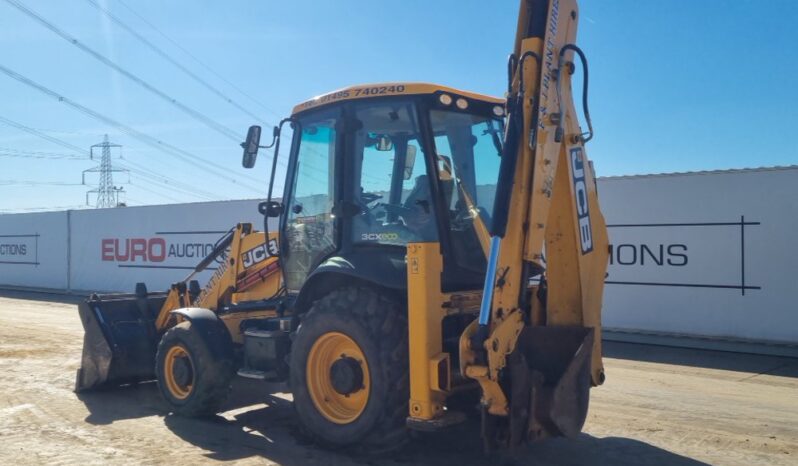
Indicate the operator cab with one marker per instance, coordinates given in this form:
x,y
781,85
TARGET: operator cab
x,y
377,167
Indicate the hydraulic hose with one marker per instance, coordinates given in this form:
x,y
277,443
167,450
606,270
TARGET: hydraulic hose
x,y
589,135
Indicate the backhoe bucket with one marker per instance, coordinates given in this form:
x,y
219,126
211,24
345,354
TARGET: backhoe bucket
x,y
120,339
550,382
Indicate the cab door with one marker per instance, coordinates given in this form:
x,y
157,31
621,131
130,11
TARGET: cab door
x,y
310,230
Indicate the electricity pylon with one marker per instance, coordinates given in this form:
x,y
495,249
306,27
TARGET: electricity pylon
x,y
107,193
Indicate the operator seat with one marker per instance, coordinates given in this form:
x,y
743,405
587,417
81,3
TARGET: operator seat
x,y
419,195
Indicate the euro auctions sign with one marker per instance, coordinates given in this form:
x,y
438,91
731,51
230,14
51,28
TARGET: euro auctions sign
x,y
155,249
705,254
19,249
113,249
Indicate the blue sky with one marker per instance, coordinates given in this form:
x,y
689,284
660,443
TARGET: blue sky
x,y
676,85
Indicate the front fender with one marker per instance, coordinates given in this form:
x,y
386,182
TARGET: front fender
x,y
386,269
210,328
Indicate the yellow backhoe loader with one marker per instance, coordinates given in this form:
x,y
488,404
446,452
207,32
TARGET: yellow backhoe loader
x,y
432,243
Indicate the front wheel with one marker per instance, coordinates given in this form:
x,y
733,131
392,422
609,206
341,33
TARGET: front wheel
x,y
349,370
191,378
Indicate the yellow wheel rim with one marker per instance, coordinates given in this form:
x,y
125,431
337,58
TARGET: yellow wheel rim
x,y
175,357
337,348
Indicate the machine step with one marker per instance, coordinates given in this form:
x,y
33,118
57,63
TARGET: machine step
x,y
256,374
448,419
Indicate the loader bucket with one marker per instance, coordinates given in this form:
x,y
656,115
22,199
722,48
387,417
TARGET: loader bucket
x,y
120,340
550,382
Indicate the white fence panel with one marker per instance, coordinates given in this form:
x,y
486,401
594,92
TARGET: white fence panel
x,y
698,254
704,254
33,250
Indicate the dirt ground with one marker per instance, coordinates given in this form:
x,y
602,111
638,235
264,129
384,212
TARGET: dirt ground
x,y
659,406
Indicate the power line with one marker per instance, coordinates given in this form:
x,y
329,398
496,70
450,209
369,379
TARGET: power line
x,y
160,178
218,127
143,174
46,137
40,157
11,151
149,140
156,193
172,60
29,209
198,61
172,184
36,183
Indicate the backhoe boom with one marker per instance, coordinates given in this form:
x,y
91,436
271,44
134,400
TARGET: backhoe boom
x,y
540,321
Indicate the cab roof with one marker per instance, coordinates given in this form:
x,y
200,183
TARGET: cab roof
x,y
366,91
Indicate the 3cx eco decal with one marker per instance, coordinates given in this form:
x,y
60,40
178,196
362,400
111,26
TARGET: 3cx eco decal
x,y
379,237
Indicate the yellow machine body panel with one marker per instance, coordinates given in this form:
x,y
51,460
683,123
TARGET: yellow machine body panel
x,y
249,272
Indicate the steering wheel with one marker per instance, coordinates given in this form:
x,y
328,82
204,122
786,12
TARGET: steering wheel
x,y
396,209
462,219
368,198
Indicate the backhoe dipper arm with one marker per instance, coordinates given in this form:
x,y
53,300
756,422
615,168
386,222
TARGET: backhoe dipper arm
x,y
545,201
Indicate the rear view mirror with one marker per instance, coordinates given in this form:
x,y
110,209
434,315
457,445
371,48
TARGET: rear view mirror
x,y
384,143
251,147
445,171
410,161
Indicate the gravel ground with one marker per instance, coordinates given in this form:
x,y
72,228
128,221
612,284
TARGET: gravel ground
x,y
660,406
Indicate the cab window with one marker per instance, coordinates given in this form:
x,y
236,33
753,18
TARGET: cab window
x,y
468,156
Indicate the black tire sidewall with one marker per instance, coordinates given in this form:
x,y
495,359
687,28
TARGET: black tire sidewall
x,y
316,324
211,375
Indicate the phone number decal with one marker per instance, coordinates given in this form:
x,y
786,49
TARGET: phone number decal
x,y
356,92
378,90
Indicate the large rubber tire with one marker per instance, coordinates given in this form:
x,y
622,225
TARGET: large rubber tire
x,y
378,325
209,375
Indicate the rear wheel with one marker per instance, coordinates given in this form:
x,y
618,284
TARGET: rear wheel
x,y
192,380
349,370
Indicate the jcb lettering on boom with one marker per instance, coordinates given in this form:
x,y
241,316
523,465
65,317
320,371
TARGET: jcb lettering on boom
x,y
580,195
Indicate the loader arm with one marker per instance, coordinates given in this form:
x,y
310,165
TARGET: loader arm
x,y
123,330
542,338
246,268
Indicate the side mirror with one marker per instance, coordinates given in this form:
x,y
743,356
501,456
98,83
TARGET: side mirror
x,y
270,209
251,147
410,161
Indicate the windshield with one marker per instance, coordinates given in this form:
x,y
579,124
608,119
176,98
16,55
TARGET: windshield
x,y
392,190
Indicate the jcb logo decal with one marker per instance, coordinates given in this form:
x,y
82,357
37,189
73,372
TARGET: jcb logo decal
x,y
580,195
259,254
